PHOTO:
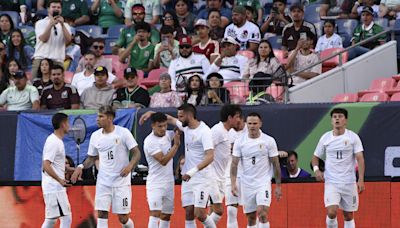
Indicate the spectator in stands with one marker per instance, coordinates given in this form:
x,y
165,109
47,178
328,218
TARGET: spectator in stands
x,y
226,14
297,29
12,66
20,96
127,34
364,31
97,47
75,12
255,8
196,91
11,5
359,5
167,49
303,56
109,12
276,20
72,54
249,14
216,93
229,64
18,50
52,35
140,50
169,18
265,61
339,9
330,39
215,23
3,61
205,45
6,26
291,169
152,8
59,95
166,97
185,17
43,75
41,5
132,96
100,93
86,78
389,9
245,32
187,64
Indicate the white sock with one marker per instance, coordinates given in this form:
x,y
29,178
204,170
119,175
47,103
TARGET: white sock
x,y
232,217
65,221
164,224
215,217
190,224
49,223
153,222
255,226
128,224
209,223
263,225
102,223
349,224
331,223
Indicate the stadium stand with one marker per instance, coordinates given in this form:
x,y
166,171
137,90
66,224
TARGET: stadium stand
x,y
345,98
374,97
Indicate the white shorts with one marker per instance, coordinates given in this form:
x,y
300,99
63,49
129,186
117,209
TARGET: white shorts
x,y
253,197
161,197
217,192
343,195
57,204
119,197
195,193
230,199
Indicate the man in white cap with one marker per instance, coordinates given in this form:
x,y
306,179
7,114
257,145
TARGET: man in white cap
x,y
229,64
204,44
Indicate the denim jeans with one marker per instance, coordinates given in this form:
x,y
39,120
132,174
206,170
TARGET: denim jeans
x,y
357,51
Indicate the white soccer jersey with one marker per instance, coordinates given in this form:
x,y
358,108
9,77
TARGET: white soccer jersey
x,y
340,156
54,152
197,141
232,68
158,174
335,41
255,157
113,151
233,135
82,82
222,150
181,68
248,33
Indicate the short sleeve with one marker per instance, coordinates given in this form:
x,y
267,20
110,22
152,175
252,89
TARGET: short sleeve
x,y
121,42
357,147
317,68
206,140
40,27
236,149
49,150
33,94
320,149
74,96
152,148
273,148
128,10
130,142
179,125
111,78
3,97
216,137
157,8
92,151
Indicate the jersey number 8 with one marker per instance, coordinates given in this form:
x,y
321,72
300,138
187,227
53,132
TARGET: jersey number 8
x,y
253,160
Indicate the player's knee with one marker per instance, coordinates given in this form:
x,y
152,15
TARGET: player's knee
x,y
123,218
348,216
102,214
200,214
218,209
332,214
251,218
165,217
189,213
262,215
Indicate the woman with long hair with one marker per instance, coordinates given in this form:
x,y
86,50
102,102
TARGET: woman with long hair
x,y
43,74
11,67
169,18
216,93
196,91
6,25
20,51
185,17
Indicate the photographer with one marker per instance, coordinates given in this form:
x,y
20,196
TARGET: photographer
x,y
277,19
52,35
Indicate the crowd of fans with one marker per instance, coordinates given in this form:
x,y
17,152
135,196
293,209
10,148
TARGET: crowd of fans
x,y
202,43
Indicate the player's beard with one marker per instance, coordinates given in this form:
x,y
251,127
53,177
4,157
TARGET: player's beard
x,y
185,123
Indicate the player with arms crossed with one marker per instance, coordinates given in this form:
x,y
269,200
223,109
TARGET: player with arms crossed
x,y
257,152
160,182
342,148
53,175
230,116
112,145
196,173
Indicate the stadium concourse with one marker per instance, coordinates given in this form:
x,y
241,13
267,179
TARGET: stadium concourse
x,y
287,63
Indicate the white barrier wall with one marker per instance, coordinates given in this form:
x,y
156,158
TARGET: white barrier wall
x,y
351,77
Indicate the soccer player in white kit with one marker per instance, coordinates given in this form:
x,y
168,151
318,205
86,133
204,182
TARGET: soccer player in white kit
x,y
257,152
230,116
160,181
341,148
196,171
53,175
112,145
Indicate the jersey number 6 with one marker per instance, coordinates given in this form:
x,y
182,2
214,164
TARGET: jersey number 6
x,y
110,155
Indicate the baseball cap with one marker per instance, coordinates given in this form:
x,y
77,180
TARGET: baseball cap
x,y
201,22
367,9
185,41
239,9
129,72
229,39
100,70
19,74
165,75
297,6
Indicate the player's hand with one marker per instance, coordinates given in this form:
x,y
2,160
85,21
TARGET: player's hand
x,y
126,171
361,186
64,183
282,154
77,175
145,116
319,176
69,170
177,137
278,192
234,190
185,177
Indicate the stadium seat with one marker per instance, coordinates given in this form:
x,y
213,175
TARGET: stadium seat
x,y
346,40
114,31
395,97
279,54
140,75
345,97
68,75
311,13
118,67
14,16
110,42
277,92
26,29
333,62
346,26
92,30
374,97
319,26
240,89
246,53
276,42
379,85
154,77
394,90
384,22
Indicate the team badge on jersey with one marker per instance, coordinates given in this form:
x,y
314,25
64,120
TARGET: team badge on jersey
x,y
192,61
117,141
346,142
64,95
245,34
146,54
73,7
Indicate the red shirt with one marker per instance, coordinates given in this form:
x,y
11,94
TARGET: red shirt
x,y
211,47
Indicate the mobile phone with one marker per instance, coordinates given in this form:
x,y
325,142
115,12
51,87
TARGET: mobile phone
x,y
165,41
56,13
303,36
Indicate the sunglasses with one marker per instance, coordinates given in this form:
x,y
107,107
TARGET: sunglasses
x,y
187,46
137,14
98,47
167,18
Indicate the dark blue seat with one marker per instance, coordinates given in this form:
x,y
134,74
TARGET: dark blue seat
x,y
311,13
92,30
110,42
346,26
114,31
276,42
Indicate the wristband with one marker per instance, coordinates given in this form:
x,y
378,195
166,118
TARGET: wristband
x,y
81,166
192,171
315,168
